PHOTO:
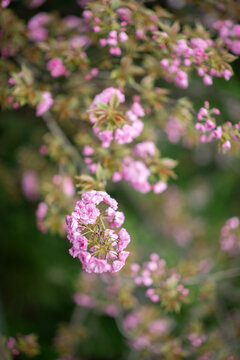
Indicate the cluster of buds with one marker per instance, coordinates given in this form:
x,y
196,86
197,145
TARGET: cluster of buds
x,y
144,171
207,125
229,239
111,124
193,53
23,344
92,230
163,285
113,39
230,33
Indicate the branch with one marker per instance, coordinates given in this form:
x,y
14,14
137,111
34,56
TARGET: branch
x,y
220,275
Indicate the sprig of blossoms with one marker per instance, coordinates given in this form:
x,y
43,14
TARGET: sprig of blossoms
x,y
193,53
163,285
92,229
209,129
111,124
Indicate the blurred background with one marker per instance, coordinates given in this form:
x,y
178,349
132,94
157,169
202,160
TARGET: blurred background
x,y
38,276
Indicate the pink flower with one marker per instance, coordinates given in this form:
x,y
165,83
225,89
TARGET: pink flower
x,y
207,80
181,79
123,36
226,145
41,212
174,129
117,176
159,187
39,34
144,149
38,21
198,43
5,3
115,218
137,109
236,30
235,47
84,300
56,67
88,150
45,104
30,185
218,132
106,138
227,74
124,239
68,187
88,213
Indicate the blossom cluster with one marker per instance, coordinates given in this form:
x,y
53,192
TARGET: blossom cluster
x,y
209,129
113,39
193,53
92,231
109,123
162,285
138,169
229,238
230,33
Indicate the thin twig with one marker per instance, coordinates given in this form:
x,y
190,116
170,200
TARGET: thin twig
x,y
220,275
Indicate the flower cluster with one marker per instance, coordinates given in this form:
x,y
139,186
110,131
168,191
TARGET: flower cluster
x,y
109,123
230,33
141,170
209,129
162,285
229,239
92,231
112,41
56,67
193,53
